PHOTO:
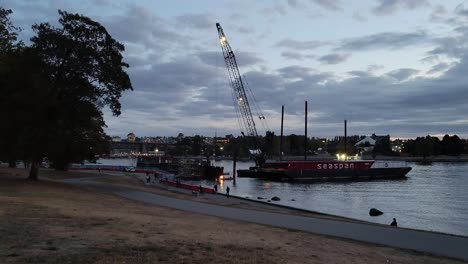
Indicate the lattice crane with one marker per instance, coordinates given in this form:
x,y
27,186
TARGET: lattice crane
x,y
239,94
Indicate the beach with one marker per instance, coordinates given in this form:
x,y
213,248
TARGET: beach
x,y
53,222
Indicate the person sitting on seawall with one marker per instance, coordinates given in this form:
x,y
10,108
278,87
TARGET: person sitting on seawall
x,y
394,223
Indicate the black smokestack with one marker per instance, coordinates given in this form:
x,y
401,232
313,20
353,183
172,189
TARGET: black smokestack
x,y
281,137
305,132
345,136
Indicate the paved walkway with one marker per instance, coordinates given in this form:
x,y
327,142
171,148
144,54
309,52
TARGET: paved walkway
x,y
434,243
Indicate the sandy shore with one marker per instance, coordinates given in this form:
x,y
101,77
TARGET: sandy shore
x,y
52,222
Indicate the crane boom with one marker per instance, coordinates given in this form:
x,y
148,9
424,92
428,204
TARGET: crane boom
x,y
237,85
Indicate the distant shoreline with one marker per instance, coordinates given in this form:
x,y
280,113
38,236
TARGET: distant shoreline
x,y
462,158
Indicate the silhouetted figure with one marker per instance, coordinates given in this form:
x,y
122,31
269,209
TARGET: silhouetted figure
x,y
215,188
394,223
227,191
201,189
148,178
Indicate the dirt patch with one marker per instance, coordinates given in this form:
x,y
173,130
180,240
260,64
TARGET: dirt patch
x,y
50,222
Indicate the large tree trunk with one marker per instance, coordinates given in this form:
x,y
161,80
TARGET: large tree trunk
x,y
34,172
12,163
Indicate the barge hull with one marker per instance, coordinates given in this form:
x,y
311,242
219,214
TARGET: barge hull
x,y
335,175
347,175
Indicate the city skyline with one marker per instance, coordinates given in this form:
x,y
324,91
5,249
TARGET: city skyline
x,y
388,67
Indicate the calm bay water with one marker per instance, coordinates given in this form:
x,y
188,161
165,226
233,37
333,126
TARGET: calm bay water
x,y
434,197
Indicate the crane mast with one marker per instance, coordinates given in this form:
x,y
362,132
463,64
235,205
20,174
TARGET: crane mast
x,y
237,85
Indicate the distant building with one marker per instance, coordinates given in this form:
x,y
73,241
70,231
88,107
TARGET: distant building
x,y
116,139
369,142
221,140
366,144
131,137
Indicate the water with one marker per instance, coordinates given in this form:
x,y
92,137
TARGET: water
x,y
117,162
434,197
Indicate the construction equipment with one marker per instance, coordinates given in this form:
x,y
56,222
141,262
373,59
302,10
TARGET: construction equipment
x,y
241,101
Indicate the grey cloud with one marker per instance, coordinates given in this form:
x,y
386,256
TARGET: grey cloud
x,y
334,58
247,58
438,13
245,30
390,101
296,55
215,58
461,11
361,74
461,30
430,59
359,17
453,47
333,5
294,72
175,78
141,26
200,21
276,10
439,68
292,55
293,3
388,7
183,92
386,40
374,67
300,45
402,74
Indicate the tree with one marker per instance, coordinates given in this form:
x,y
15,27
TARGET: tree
x,y
85,67
452,145
23,105
80,70
8,32
382,145
13,65
424,147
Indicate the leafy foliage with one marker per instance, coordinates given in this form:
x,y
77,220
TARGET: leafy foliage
x,y
8,32
55,91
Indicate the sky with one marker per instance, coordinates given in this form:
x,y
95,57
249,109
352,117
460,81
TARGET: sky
x,y
389,67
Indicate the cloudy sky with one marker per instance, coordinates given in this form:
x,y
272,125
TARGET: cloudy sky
x,y
397,67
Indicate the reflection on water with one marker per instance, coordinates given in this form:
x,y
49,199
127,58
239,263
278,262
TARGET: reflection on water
x,y
433,197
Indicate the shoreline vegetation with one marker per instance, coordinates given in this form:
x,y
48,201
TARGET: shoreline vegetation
x,y
52,222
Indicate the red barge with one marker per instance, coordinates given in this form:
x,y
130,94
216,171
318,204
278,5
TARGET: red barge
x,y
329,170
